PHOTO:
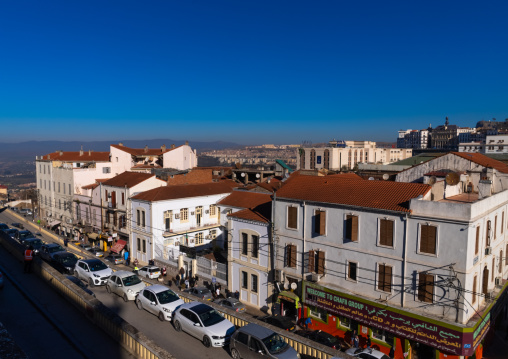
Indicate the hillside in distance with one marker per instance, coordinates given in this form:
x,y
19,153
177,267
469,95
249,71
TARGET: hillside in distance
x,y
26,151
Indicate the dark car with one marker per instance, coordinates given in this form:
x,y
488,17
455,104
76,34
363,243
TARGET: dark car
x,y
279,322
22,235
48,250
114,258
36,244
322,338
3,226
96,252
80,284
64,262
17,225
11,232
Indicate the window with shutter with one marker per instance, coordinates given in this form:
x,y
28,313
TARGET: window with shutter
x,y
291,256
502,222
386,233
474,290
352,228
352,270
255,246
245,243
487,234
477,243
428,239
320,262
501,262
384,278
292,217
493,267
495,227
320,222
485,283
426,288
312,264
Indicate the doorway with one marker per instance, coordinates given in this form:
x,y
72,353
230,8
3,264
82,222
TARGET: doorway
x,y
199,215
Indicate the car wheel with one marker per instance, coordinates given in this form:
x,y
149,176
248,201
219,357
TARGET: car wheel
x,y
90,283
108,289
125,298
235,354
139,304
161,317
178,326
207,342
148,276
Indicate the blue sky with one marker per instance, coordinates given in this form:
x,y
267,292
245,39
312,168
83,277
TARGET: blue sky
x,y
248,71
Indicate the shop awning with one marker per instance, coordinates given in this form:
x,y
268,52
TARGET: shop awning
x,y
118,246
92,235
289,296
54,223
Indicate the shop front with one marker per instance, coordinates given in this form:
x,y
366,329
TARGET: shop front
x,y
411,335
288,304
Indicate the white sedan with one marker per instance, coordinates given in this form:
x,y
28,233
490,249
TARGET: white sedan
x,y
159,300
151,272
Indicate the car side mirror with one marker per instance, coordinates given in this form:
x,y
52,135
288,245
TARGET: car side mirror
x,y
197,324
262,352
87,270
153,303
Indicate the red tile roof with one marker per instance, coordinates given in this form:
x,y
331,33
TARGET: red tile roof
x,y
393,196
483,160
128,179
86,156
244,199
347,175
186,191
94,185
142,152
261,213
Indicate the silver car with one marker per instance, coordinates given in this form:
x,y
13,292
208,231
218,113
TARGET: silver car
x,y
151,272
231,303
126,284
203,322
159,300
254,341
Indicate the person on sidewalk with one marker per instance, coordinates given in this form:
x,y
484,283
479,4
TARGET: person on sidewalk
x,y
29,255
126,257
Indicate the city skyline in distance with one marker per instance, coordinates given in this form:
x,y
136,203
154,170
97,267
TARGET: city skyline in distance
x,y
248,73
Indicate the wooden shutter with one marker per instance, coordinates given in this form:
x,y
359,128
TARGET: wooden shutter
x,y
485,283
292,213
425,287
113,199
386,233
493,267
502,222
428,239
320,222
474,290
291,255
321,262
352,228
312,264
477,243
495,227
384,278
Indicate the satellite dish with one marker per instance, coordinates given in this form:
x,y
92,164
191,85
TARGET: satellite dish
x,y
386,176
258,175
294,286
243,174
432,180
286,285
452,178
371,178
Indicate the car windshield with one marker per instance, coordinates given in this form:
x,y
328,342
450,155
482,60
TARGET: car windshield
x,y
23,235
166,297
274,343
211,317
69,260
57,248
96,266
131,280
36,243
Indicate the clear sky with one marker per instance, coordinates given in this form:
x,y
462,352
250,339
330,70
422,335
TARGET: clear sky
x,y
248,71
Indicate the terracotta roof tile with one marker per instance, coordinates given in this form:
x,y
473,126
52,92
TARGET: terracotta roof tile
x,y
185,191
142,152
483,160
244,199
393,196
94,185
128,179
258,214
87,156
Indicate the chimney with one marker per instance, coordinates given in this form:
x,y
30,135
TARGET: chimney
x,y
89,152
81,151
173,146
61,153
146,149
186,143
163,148
120,144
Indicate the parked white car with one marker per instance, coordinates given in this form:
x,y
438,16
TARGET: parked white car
x,y
151,272
159,300
92,271
126,284
203,322
367,353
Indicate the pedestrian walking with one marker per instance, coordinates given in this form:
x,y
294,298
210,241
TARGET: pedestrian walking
x,y
369,343
186,283
66,241
237,295
217,292
126,257
29,254
356,341
307,322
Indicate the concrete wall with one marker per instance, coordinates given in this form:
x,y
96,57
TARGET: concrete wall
x,y
181,158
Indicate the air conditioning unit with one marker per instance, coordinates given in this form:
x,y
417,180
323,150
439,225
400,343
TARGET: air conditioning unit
x,y
207,211
207,236
488,251
314,277
192,213
177,216
499,281
279,275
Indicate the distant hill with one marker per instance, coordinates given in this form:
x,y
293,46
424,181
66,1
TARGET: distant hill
x,y
25,151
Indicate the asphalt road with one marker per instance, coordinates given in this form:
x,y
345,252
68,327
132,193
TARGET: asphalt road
x,y
179,344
